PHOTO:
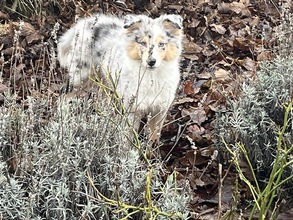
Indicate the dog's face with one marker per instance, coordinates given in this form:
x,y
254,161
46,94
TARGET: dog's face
x,y
153,41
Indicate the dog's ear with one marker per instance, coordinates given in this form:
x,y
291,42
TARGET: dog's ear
x,y
132,23
172,21
130,20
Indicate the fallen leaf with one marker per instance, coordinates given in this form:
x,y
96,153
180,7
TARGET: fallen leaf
x,y
189,88
264,55
286,215
3,16
196,129
221,74
204,75
208,52
197,115
4,29
199,182
186,100
242,44
200,83
33,37
248,64
193,158
218,28
237,7
3,88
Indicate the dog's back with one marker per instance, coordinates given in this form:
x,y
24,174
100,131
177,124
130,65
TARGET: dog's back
x,y
85,46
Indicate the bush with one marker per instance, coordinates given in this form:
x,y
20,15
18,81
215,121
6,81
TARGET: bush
x,y
67,161
256,116
27,8
255,129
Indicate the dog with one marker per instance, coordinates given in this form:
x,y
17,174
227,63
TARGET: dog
x,y
140,54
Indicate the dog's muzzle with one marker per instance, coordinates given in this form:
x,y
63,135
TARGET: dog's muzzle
x,y
151,62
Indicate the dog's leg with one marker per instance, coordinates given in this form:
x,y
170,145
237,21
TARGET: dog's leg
x,y
134,121
155,124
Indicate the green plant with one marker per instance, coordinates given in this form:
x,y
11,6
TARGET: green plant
x,y
162,209
265,199
69,160
248,130
27,8
254,118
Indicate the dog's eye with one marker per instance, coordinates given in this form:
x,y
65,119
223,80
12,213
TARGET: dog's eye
x,y
161,45
143,43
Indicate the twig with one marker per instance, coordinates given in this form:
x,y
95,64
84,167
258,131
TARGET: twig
x,y
220,192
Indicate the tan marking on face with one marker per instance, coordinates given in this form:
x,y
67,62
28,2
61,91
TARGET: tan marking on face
x,y
159,39
144,50
174,30
133,51
171,52
161,51
146,39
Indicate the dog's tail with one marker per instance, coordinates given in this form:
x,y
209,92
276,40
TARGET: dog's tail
x,y
75,51
64,47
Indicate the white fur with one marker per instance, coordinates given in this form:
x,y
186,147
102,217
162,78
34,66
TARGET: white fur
x,y
100,43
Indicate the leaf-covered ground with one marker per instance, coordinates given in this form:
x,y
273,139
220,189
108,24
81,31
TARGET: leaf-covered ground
x,y
224,43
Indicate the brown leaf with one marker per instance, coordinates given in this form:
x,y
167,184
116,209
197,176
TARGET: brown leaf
x,y
186,100
26,30
197,115
189,88
4,29
216,107
3,16
196,129
236,7
245,2
176,7
264,55
11,50
204,75
207,151
193,158
248,64
221,74
190,51
199,182
255,21
33,37
224,8
19,67
208,52
286,215
242,44
218,28
200,83
3,88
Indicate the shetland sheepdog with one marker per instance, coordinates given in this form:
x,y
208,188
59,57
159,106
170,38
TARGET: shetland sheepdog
x,y
140,54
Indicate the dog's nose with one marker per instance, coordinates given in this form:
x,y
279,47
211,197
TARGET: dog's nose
x,y
151,62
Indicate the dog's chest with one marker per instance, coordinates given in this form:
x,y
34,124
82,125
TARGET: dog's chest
x,y
149,89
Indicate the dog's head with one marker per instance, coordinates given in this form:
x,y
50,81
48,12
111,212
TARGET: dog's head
x,y
154,41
